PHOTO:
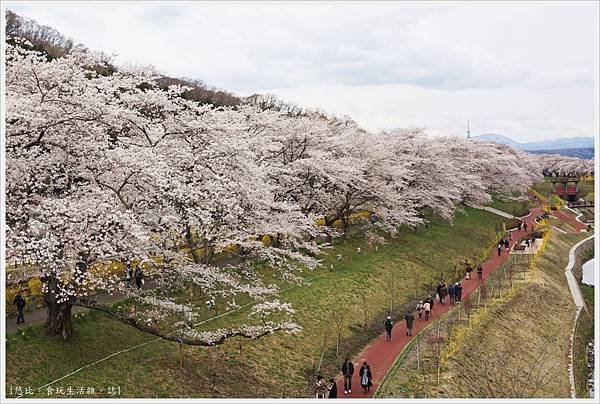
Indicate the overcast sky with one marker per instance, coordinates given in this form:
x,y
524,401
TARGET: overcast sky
x,y
524,70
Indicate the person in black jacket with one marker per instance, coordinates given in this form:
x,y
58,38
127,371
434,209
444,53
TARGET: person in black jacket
x,y
458,292
139,277
20,303
347,371
332,389
366,378
468,270
443,291
451,294
389,325
430,300
410,319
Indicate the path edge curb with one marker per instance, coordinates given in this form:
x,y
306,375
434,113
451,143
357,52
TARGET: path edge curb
x,y
579,302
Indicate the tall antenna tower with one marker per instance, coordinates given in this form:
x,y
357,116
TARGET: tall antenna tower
x,y
468,130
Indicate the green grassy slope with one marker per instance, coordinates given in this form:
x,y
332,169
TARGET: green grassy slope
x,y
357,288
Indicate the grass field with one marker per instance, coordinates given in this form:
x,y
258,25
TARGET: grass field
x,y
516,208
360,288
587,215
517,347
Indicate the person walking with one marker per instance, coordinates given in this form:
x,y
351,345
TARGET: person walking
x,y
19,302
431,301
451,294
389,325
519,226
347,371
443,293
139,277
320,387
468,270
458,292
419,309
437,291
128,274
480,272
506,244
410,319
427,309
332,389
500,249
366,378
525,227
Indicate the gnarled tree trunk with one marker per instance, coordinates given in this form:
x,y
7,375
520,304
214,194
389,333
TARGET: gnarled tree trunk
x,y
59,320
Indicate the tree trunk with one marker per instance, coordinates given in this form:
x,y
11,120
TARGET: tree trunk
x,y
190,244
59,320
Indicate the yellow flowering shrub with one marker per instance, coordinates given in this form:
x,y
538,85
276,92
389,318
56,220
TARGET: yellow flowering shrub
x,y
539,196
266,240
360,217
338,224
11,292
35,287
232,248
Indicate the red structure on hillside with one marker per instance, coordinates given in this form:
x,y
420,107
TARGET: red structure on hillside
x,y
563,186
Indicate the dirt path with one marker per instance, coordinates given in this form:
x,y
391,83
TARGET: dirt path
x,y
381,354
38,315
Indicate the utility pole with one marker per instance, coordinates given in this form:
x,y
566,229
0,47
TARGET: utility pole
x,y
468,130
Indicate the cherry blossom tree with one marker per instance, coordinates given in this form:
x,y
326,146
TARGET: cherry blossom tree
x,y
105,167
557,165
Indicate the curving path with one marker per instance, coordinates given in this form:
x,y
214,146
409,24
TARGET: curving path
x,y
382,354
579,226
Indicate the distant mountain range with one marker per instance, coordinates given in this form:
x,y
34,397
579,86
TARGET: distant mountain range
x,y
583,153
574,146
565,143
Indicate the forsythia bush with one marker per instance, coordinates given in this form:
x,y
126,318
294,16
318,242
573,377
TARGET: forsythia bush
x,y
32,291
539,196
266,240
11,292
35,287
360,216
534,259
353,219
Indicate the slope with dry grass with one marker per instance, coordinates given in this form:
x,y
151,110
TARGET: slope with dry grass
x,y
522,350
515,345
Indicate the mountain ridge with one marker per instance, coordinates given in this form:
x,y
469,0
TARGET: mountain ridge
x,y
579,142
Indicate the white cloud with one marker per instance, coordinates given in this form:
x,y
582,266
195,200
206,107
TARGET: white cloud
x,y
522,114
509,67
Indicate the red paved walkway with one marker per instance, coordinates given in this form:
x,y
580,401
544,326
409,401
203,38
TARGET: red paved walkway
x,y
569,219
381,354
